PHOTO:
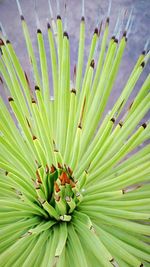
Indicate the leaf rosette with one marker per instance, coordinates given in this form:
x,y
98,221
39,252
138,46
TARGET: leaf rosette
x,y
69,193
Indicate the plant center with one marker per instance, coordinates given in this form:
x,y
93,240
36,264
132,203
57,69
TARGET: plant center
x,y
58,192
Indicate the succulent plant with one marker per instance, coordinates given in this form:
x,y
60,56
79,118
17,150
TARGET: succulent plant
x,y
74,187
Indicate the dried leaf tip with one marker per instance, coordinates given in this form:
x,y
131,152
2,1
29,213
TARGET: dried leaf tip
x,y
1,42
73,91
39,31
112,261
8,42
58,17
80,126
143,64
116,40
10,99
66,35
107,21
33,101
37,88
1,80
123,191
96,31
22,17
34,137
124,34
113,120
144,125
48,25
120,124
92,63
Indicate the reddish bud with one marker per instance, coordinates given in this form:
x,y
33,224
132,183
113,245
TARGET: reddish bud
x,y
70,171
56,187
72,184
38,177
64,177
53,169
59,166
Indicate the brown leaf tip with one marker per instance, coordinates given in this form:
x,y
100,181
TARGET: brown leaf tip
x,y
58,17
80,126
124,34
1,80
10,99
48,25
1,42
39,31
121,124
82,18
22,17
112,260
33,101
92,63
34,137
37,88
113,120
144,125
73,91
143,64
66,35
96,31
107,20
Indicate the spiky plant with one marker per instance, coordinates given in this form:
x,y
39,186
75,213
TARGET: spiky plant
x,y
69,195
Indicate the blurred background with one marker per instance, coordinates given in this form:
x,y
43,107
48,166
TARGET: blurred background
x,y
95,10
